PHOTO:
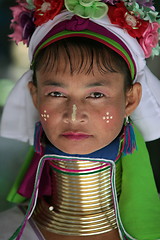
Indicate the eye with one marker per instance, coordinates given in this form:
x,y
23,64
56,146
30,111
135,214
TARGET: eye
x,y
56,94
96,95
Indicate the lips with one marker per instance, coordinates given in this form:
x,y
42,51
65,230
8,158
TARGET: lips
x,y
75,135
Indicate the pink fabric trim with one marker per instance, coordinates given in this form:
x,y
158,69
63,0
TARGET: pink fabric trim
x,y
27,185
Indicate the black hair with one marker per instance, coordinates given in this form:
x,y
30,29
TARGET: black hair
x,y
89,51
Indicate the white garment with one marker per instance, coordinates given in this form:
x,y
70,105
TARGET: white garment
x,y
20,115
11,219
147,115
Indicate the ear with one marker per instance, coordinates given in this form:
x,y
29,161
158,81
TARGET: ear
x,y
33,91
133,97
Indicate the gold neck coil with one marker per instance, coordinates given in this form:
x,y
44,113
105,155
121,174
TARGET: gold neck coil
x,y
82,201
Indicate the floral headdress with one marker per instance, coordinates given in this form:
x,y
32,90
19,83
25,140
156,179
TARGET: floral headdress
x,y
137,17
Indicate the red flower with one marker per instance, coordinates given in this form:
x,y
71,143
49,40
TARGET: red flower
x,y
46,10
121,16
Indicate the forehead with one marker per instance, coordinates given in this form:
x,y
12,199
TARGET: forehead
x,y
61,76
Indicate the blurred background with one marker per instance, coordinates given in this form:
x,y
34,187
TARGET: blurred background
x,y
13,63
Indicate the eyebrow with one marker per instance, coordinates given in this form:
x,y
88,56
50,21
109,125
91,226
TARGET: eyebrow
x,y
99,83
53,83
61,84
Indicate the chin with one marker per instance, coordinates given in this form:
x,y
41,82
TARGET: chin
x,y
78,150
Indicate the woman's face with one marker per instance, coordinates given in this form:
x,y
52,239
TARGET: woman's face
x,y
80,113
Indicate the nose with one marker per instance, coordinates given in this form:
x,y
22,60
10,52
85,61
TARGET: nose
x,y
75,113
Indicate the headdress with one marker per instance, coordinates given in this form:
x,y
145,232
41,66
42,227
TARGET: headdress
x,y
138,18
129,27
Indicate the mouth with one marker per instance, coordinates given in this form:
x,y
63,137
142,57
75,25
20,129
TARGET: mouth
x,y
75,135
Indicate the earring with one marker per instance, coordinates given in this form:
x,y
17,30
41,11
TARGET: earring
x,y
37,138
126,121
128,138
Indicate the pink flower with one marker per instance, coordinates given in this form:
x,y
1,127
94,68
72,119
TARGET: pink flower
x,y
18,30
22,23
149,39
17,35
16,10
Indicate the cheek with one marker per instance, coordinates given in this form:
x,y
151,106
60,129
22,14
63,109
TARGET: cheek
x,y
44,114
46,118
113,118
49,118
107,117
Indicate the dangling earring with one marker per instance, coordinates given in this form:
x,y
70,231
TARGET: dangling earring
x,y
128,138
37,138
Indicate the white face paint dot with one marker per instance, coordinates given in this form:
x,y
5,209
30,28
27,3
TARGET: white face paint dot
x,y
44,115
107,117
